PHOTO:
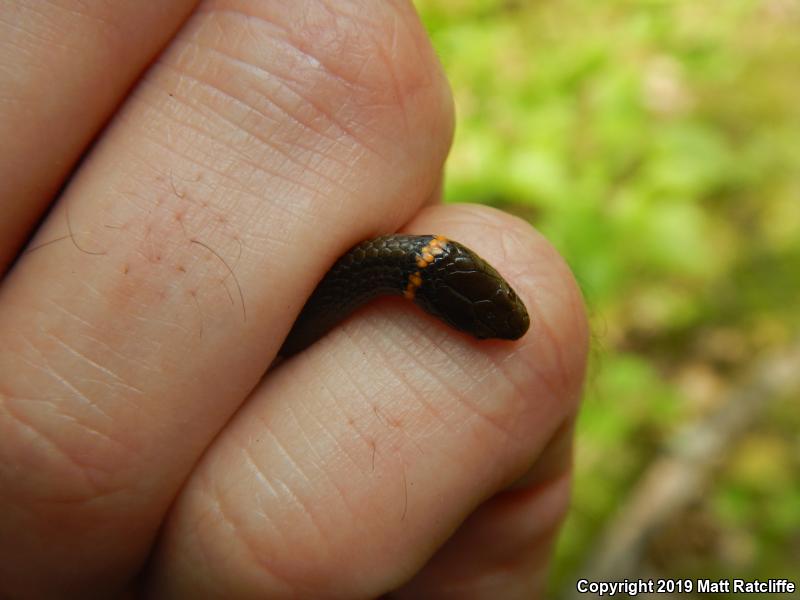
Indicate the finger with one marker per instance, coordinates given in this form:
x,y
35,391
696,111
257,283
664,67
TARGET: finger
x,y
268,138
503,549
64,66
435,197
357,459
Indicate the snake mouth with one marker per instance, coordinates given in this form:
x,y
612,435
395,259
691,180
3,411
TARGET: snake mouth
x,y
518,324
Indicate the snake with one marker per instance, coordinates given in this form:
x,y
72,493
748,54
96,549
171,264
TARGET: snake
x,y
443,277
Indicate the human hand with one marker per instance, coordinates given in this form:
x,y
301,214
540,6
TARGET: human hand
x,y
140,449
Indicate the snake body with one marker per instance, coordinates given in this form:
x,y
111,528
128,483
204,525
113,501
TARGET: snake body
x,y
443,277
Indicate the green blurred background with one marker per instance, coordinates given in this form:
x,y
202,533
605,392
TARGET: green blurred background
x,y
657,145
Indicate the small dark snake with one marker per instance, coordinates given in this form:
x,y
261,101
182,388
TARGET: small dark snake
x,y
443,277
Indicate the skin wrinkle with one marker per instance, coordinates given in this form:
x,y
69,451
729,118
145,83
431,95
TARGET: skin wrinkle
x,y
68,313
209,515
58,412
389,63
497,423
335,11
88,482
263,565
267,142
106,349
110,349
353,83
521,391
286,455
184,73
284,34
115,31
510,245
358,398
163,323
373,26
385,384
261,474
69,8
456,393
5,405
264,480
212,139
545,375
546,382
381,351
209,166
234,150
259,167
267,520
306,101
408,384
340,488
402,436
371,446
284,81
443,345
224,179
332,482
313,151
361,141
298,423
6,397
320,461
380,392
434,376
38,37
553,336
47,369
72,419
227,517
117,380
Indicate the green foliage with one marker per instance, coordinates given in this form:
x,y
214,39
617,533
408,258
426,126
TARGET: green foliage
x,y
656,145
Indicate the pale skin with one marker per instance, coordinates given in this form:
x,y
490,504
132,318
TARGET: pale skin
x,y
241,147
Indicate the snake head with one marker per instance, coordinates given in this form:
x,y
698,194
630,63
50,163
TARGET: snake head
x,y
463,290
